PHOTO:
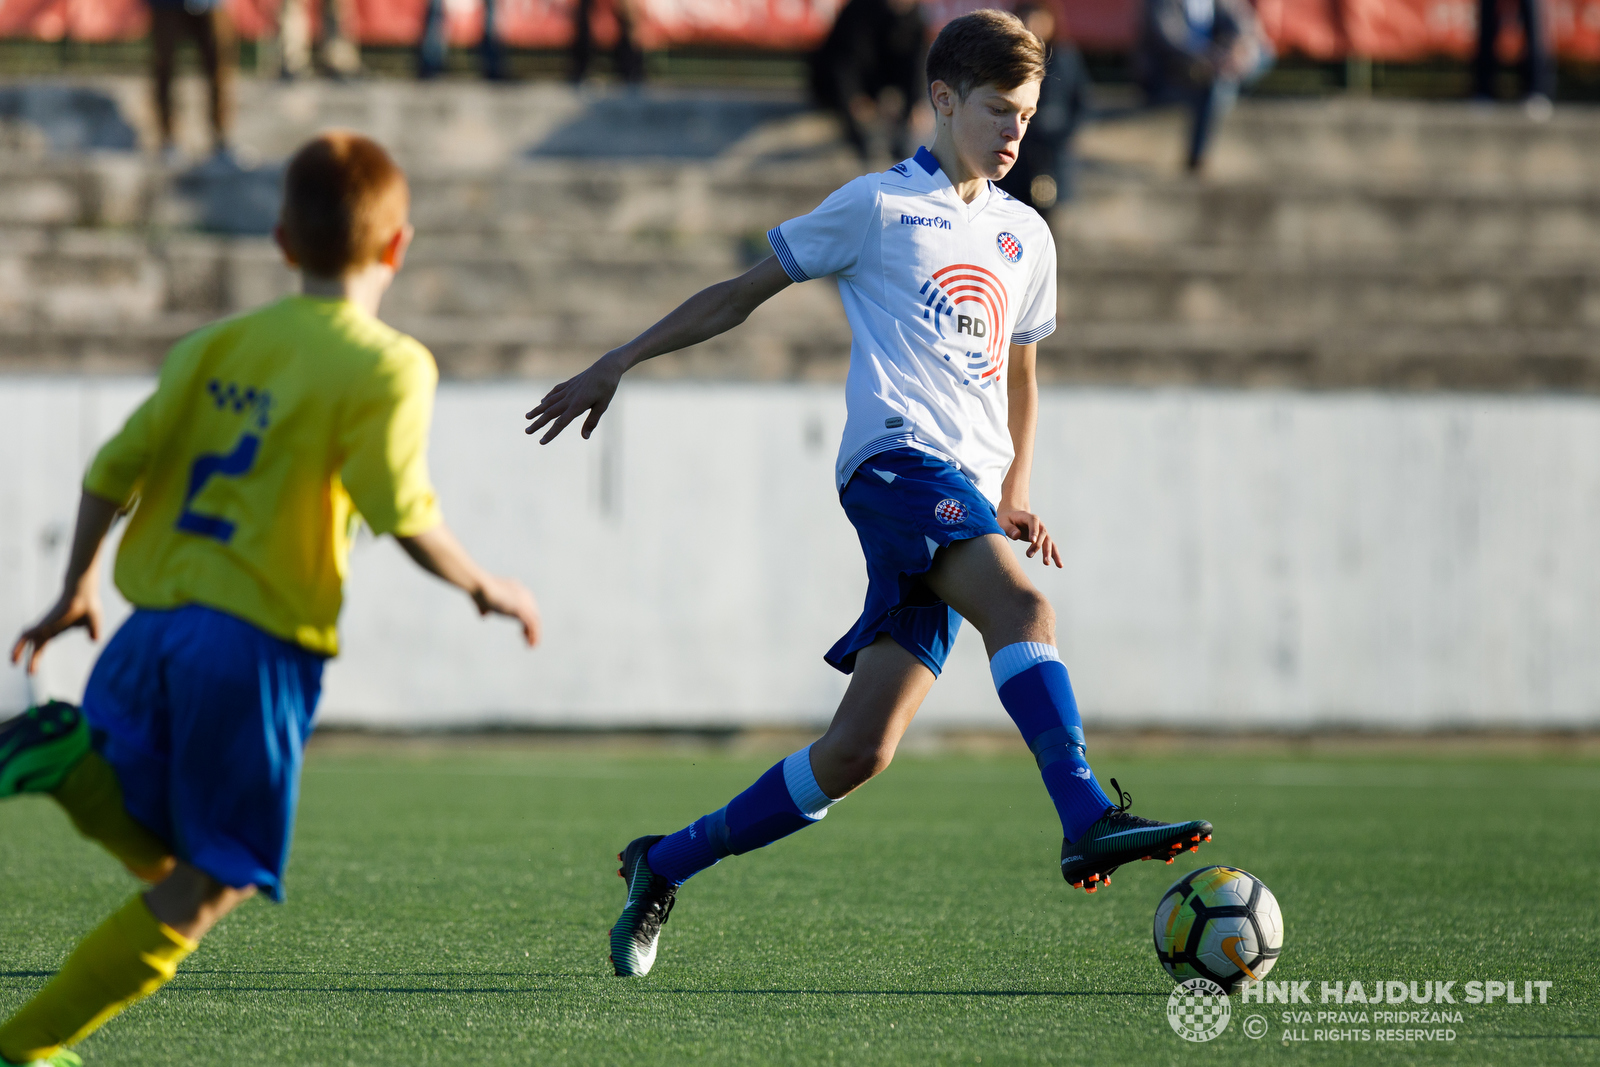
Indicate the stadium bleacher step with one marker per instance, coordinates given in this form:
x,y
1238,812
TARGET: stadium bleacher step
x,y
1352,140
67,276
1333,244
573,208
1148,354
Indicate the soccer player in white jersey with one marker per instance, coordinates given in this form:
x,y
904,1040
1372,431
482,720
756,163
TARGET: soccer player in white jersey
x,y
949,285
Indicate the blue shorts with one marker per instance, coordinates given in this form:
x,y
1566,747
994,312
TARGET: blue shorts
x,y
204,717
905,506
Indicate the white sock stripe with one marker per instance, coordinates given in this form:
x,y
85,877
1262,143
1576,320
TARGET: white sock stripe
x,y
803,788
1014,659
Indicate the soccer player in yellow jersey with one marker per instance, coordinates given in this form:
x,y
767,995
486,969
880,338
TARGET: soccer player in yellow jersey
x,y
268,435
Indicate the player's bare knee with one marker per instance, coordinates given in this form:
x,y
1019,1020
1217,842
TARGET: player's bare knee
x,y
191,901
860,764
1041,616
1025,611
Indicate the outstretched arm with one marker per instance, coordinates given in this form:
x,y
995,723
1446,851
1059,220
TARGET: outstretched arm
x,y
438,552
79,604
712,311
1016,516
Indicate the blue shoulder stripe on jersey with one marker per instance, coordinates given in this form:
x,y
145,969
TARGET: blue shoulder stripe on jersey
x,y
1038,333
786,259
927,160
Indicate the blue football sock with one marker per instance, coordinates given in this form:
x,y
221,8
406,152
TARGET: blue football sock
x,y
1037,694
783,800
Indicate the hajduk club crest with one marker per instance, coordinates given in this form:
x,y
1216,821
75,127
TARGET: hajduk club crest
x,y
1010,247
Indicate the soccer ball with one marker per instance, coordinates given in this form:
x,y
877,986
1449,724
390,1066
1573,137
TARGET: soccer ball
x,y
1219,923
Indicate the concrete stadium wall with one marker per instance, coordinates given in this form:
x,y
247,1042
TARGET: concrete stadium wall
x,y
1235,559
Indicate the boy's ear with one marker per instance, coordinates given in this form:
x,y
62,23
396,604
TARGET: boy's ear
x,y
394,252
283,245
943,98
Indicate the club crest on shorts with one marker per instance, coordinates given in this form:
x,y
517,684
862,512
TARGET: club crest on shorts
x,y
1010,247
950,512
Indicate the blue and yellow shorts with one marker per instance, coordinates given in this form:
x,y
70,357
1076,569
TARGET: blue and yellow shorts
x,y
205,718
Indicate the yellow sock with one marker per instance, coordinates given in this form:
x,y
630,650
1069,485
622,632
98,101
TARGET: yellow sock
x,y
125,958
92,797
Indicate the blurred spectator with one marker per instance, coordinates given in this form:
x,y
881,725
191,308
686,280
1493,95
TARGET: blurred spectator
x,y
626,57
1537,68
1198,53
207,24
1042,175
433,53
872,64
338,54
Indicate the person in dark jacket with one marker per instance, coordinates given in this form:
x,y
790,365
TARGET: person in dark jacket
x,y
1198,53
433,51
207,24
1042,174
875,46
627,59
1537,68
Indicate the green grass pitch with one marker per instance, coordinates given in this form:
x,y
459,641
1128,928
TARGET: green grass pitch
x,y
450,907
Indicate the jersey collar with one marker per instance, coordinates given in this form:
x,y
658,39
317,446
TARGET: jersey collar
x,y
926,164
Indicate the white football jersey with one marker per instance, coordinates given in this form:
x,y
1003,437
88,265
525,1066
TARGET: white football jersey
x,y
936,290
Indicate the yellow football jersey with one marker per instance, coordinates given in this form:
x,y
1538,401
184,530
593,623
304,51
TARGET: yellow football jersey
x,y
265,436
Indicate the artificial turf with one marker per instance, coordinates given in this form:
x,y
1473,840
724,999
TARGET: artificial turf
x,y
451,907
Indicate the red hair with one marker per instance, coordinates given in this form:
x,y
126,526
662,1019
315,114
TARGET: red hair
x,y
344,198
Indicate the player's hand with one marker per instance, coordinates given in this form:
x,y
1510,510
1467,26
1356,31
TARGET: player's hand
x,y
79,606
590,391
509,597
1022,525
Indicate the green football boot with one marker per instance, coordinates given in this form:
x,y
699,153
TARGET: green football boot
x,y
637,933
1119,838
39,747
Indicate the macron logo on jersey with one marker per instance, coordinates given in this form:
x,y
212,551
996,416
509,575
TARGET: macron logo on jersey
x,y
923,220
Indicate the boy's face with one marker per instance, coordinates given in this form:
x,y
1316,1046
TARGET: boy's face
x,y
987,126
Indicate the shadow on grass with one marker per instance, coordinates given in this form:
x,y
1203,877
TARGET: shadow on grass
x,y
917,992
189,972
592,976
186,987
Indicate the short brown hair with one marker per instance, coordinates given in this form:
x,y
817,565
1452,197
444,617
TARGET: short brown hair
x,y
343,199
987,47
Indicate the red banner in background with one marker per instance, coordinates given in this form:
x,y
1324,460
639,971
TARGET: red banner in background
x,y
1396,30
1306,27
1100,25
776,24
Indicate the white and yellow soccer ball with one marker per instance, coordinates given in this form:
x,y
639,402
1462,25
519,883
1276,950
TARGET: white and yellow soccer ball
x,y
1219,923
